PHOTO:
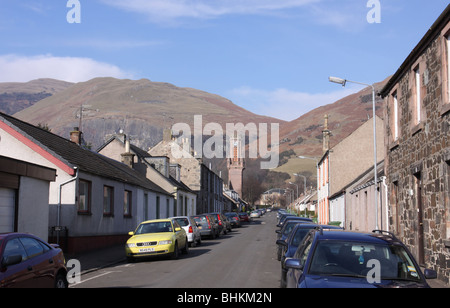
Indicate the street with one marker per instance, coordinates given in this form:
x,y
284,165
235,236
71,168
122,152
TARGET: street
x,y
244,258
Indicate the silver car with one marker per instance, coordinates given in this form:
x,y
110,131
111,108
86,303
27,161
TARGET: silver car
x,y
192,231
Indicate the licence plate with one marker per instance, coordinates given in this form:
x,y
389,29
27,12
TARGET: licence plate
x,y
147,249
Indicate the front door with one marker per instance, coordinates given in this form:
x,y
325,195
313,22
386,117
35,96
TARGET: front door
x,y
420,229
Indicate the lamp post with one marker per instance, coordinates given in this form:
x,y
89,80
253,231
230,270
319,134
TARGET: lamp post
x,y
343,82
295,199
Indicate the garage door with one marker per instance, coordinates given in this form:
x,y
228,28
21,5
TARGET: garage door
x,y
7,209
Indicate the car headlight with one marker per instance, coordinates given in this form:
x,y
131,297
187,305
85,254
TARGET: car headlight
x,y
131,245
167,242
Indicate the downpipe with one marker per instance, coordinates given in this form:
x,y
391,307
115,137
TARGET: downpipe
x,y
58,217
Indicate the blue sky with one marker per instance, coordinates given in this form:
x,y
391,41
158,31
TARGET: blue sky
x,y
272,57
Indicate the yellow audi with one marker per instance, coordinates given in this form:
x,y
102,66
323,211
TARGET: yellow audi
x,y
157,237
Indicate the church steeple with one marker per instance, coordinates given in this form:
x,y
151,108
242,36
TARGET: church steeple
x,y
236,164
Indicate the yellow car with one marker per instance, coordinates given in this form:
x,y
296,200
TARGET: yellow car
x,y
157,237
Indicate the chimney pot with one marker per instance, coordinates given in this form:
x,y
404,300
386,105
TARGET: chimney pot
x,y
75,135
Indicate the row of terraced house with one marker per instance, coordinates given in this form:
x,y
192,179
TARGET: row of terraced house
x,y
60,190
413,158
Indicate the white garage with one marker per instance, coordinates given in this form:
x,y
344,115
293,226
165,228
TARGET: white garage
x,y
7,209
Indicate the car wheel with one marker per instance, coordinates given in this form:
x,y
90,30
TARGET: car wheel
x,y
186,248
193,244
175,252
61,281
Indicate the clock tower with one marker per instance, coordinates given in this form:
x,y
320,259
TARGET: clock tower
x,y
236,165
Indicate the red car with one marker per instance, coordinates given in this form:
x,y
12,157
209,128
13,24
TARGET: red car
x,y
244,217
26,261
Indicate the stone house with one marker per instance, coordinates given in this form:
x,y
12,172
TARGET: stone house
x,y
417,121
207,185
94,201
341,165
158,170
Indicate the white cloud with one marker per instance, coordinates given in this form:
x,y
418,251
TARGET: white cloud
x,y
22,68
169,10
282,103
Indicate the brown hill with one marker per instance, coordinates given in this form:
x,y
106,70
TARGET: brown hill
x,y
15,96
140,107
303,136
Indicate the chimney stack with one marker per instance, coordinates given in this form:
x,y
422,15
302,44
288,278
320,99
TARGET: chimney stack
x,y
75,135
326,135
128,157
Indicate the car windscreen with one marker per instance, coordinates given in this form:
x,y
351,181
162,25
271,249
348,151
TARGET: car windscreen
x,y
200,219
182,221
339,258
154,227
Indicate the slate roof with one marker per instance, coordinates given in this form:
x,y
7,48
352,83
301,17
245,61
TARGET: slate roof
x,y
76,156
142,155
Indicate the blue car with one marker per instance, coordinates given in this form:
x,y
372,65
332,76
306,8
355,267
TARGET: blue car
x,y
343,259
290,244
285,219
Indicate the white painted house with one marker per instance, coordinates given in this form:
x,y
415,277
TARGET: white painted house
x,y
94,201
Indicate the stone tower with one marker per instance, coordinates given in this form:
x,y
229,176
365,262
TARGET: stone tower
x,y
236,165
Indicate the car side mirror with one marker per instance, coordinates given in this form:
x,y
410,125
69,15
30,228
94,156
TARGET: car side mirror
x,y
281,243
11,260
177,229
293,263
131,233
430,274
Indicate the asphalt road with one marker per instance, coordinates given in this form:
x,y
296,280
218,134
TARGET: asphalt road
x,y
244,258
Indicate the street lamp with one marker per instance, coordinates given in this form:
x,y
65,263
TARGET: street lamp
x,y
343,82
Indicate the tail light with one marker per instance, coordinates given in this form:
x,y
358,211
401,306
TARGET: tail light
x,y
190,229
209,225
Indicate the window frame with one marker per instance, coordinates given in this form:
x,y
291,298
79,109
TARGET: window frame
x,y
108,209
127,203
445,50
87,205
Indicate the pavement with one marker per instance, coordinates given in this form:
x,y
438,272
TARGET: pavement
x,y
94,260
106,257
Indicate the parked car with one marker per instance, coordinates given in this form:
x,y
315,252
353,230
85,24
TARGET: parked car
x,y
255,214
223,222
332,259
234,219
283,216
290,244
293,217
27,261
157,237
283,233
190,227
207,225
243,216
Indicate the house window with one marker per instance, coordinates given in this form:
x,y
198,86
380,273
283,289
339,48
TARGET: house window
x,y
447,49
127,202
108,200
447,43
395,115
84,196
146,213
418,99
158,208
167,208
